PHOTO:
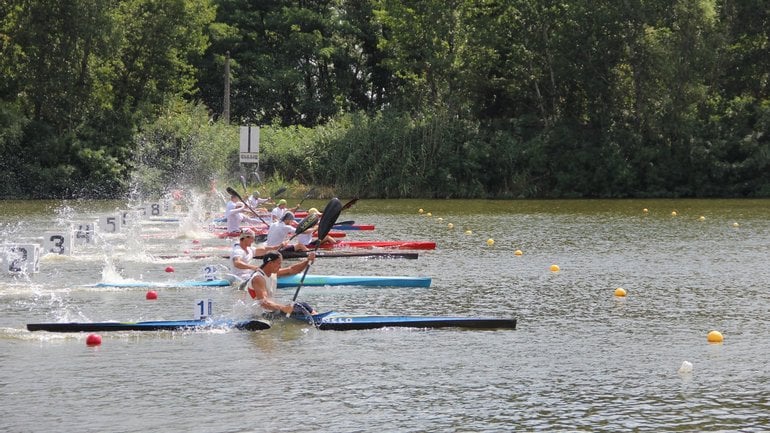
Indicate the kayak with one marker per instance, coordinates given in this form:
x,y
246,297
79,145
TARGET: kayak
x,y
401,245
260,232
156,284
292,281
335,321
162,325
372,255
301,254
354,227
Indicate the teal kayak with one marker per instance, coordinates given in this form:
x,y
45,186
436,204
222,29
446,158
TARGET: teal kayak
x,y
157,284
353,280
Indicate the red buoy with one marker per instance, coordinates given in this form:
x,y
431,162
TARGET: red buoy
x,y
93,340
196,241
169,269
151,295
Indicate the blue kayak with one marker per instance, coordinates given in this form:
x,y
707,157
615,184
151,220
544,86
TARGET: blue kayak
x,y
161,325
353,280
156,284
335,321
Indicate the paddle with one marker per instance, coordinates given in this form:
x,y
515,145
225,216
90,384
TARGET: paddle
x,y
243,184
344,223
307,195
302,227
279,191
349,204
235,193
328,217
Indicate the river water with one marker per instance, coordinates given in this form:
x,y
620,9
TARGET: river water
x,y
581,358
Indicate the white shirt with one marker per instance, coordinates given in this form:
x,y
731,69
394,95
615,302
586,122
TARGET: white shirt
x,y
256,202
278,213
245,256
277,233
233,216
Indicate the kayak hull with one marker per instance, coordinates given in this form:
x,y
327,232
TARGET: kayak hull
x,y
353,280
162,325
152,284
401,245
333,321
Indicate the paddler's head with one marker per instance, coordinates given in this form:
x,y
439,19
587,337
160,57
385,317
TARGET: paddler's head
x,y
288,217
281,202
271,262
247,235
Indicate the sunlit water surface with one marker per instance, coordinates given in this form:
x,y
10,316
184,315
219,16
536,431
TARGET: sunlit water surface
x,y
580,360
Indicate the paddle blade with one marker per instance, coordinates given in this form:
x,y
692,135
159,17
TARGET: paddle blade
x,y
243,183
306,223
279,191
329,216
349,204
233,192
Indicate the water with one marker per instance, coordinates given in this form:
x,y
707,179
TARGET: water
x,y
580,360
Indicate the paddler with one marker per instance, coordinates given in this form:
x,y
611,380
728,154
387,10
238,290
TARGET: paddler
x,y
234,215
306,237
280,230
264,282
242,254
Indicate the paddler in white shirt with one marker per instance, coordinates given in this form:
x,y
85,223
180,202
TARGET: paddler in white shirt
x,y
279,230
256,203
234,215
264,282
242,254
306,238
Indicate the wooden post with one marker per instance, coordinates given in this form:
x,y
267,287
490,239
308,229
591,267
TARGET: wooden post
x,y
226,101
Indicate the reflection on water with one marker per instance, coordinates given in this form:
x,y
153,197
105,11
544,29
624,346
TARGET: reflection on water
x,y
580,360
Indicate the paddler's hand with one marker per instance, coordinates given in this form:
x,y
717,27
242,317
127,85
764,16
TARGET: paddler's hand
x,y
310,257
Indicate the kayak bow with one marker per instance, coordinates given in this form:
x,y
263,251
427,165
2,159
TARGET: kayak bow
x,y
161,325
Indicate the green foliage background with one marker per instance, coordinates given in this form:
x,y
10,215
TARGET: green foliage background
x,y
388,98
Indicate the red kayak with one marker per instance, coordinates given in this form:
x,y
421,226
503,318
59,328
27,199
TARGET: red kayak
x,y
399,245
258,232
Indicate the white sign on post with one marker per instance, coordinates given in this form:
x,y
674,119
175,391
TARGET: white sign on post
x,y
203,308
109,224
21,258
250,144
84,233
57,242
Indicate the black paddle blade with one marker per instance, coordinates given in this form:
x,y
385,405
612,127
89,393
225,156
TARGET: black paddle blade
x,y
233,192
349,204
330,214
306,223
279,191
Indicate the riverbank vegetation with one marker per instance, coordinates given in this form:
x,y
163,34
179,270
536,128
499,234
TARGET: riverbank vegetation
x,y
388,98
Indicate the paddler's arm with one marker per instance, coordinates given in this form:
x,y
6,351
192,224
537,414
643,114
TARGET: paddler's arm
x,y
297,267
240,264
259,292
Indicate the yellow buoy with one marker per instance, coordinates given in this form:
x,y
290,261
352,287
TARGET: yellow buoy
x,y
715,337
555,268
420,211
673,213
517,253
490,242
702,218
450,225
645,210
620,292
439,219
468,232
736,225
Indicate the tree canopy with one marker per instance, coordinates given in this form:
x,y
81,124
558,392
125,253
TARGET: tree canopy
x,y
390,98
